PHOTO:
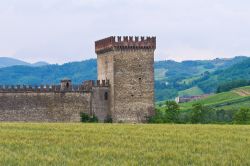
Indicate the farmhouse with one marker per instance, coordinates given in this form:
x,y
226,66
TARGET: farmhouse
x,y
184,99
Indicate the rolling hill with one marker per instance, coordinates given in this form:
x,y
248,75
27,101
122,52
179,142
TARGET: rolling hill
x,y
239,71
196,77
234,99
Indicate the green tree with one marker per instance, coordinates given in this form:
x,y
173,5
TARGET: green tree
x,y
227,86
242,116
157,118
171,111
197,113
169,114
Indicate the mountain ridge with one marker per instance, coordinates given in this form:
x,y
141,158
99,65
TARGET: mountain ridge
x,y
8,62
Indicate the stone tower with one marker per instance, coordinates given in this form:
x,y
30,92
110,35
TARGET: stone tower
x,y
128,64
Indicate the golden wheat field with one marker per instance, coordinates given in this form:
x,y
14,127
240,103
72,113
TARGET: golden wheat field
x,y
123,144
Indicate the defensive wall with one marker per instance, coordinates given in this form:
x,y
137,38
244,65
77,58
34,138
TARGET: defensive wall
x,y
54,103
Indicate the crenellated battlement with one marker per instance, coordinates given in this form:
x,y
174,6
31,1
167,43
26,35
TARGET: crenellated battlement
x,y
125,42
85,87
38,89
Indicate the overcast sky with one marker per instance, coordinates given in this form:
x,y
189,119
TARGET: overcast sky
x,y
59,31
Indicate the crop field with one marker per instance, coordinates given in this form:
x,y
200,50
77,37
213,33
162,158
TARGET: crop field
x,y
123,144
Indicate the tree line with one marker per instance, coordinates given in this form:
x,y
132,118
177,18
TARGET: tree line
x,y
199,114
227,86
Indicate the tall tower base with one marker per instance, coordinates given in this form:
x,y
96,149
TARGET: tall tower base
x,y
128,64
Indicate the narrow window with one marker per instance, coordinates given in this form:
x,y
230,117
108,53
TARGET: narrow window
x,y
106,96
67,85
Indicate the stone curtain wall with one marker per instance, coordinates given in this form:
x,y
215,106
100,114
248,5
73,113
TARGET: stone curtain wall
x,y
54,103
44,107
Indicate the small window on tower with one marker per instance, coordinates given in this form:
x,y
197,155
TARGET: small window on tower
x,y
106,96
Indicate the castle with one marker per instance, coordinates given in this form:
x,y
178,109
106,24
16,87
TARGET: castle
x,y
124,91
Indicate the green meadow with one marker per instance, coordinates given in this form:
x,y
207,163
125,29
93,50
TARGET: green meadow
x,y
234,99
123,144
192,91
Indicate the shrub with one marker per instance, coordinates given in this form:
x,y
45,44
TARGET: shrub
x,y
157,118
84,117
88,119
93,119
108,119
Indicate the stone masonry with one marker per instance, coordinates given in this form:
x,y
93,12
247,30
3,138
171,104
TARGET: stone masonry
x,y
128,63
124,91
55,103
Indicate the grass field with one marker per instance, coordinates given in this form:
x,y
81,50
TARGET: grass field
x,y
123,144
191,92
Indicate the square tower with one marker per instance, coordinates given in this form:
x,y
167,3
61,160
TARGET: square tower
x,y
128,64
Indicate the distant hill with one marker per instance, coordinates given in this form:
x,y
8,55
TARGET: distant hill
x,y
7,62
49,74
40,63
171,78
238,71
194,77
234,99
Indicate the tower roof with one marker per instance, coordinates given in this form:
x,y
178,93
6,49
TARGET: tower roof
x,y
125,42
